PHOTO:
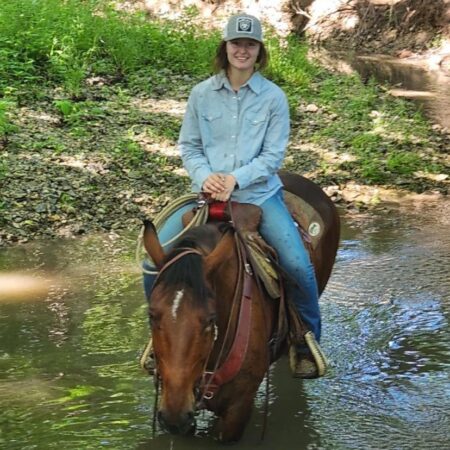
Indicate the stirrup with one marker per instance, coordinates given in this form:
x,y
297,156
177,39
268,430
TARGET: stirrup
x,y
302,366
147,361
317,353
308,365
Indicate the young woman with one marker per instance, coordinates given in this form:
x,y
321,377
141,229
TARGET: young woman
x,y
232,143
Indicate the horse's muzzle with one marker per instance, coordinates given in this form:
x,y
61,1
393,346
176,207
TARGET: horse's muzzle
x,y
182,424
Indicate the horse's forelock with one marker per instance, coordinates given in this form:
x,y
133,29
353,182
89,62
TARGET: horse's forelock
x,y
188,271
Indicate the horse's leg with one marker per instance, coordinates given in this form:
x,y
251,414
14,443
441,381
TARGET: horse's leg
x,y
234,417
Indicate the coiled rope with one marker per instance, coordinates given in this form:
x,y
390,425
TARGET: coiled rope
x,y
200,217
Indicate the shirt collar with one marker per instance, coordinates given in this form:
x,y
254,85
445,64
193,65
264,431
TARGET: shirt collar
x,y
254,83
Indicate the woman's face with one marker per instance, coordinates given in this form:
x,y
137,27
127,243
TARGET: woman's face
x,y
242,53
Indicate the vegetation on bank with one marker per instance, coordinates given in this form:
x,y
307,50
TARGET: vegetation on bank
x,y
91,101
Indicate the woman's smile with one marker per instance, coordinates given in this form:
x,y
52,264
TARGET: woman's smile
x,y
242,53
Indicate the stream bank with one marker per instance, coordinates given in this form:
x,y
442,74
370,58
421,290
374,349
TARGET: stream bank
x,y
405,78
102,156
418,29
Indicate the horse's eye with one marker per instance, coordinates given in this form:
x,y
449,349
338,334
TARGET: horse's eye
x,y
154,318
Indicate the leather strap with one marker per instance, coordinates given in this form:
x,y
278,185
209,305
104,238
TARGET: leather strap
x,y
212,381
233,363
186,251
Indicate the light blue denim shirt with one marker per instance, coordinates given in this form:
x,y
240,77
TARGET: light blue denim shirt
x,y
243,133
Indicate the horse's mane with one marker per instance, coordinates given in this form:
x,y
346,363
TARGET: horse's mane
x,y
188,270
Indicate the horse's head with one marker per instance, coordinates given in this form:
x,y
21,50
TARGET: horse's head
x,y
183,319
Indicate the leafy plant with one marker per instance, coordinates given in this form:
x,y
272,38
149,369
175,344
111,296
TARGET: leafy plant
x,y
3,169
129,150
366,143
6,127
69,110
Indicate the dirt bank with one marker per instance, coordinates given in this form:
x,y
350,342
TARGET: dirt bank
x,y
110,158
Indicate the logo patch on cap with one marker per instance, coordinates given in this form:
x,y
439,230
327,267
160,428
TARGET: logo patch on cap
x,y
244,25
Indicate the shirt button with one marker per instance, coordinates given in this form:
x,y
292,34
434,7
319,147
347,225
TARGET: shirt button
x,y
233,137
234,117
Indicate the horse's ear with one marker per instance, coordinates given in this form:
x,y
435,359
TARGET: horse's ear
x,y
151,243
220,253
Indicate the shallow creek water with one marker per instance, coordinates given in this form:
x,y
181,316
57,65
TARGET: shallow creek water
x,y
69,373
429,89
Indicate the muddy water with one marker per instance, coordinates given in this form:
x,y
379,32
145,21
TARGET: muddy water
x,y
68,361
429,89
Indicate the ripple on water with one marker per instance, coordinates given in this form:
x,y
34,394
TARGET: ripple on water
x,y
386,331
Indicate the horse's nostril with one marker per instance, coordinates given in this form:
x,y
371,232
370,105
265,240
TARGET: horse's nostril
x,y
183,424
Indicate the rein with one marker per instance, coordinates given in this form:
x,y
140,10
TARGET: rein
x,y
213,380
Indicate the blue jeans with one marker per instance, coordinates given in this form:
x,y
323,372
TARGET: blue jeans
x,y
279,230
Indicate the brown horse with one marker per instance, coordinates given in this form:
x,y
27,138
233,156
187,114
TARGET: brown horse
x,y
194,318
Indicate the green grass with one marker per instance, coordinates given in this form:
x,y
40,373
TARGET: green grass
x,y
6,126
57,46
64,42
289,65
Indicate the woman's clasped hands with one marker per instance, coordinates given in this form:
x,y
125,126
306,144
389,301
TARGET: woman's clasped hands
x,y
219,185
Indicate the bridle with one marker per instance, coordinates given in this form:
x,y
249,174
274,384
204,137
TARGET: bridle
x,y
224,372
210,381
186,251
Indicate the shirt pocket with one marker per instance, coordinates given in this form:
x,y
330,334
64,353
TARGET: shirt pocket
x,y
256,124
211,127
257,120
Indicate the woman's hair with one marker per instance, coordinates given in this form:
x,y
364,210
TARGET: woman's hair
x,y
221,59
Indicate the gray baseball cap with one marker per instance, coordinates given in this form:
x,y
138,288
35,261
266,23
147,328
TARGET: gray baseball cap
x,y
243,26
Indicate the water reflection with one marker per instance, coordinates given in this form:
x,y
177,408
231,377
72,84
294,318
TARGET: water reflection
x,y
429,89
68,363
19,287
